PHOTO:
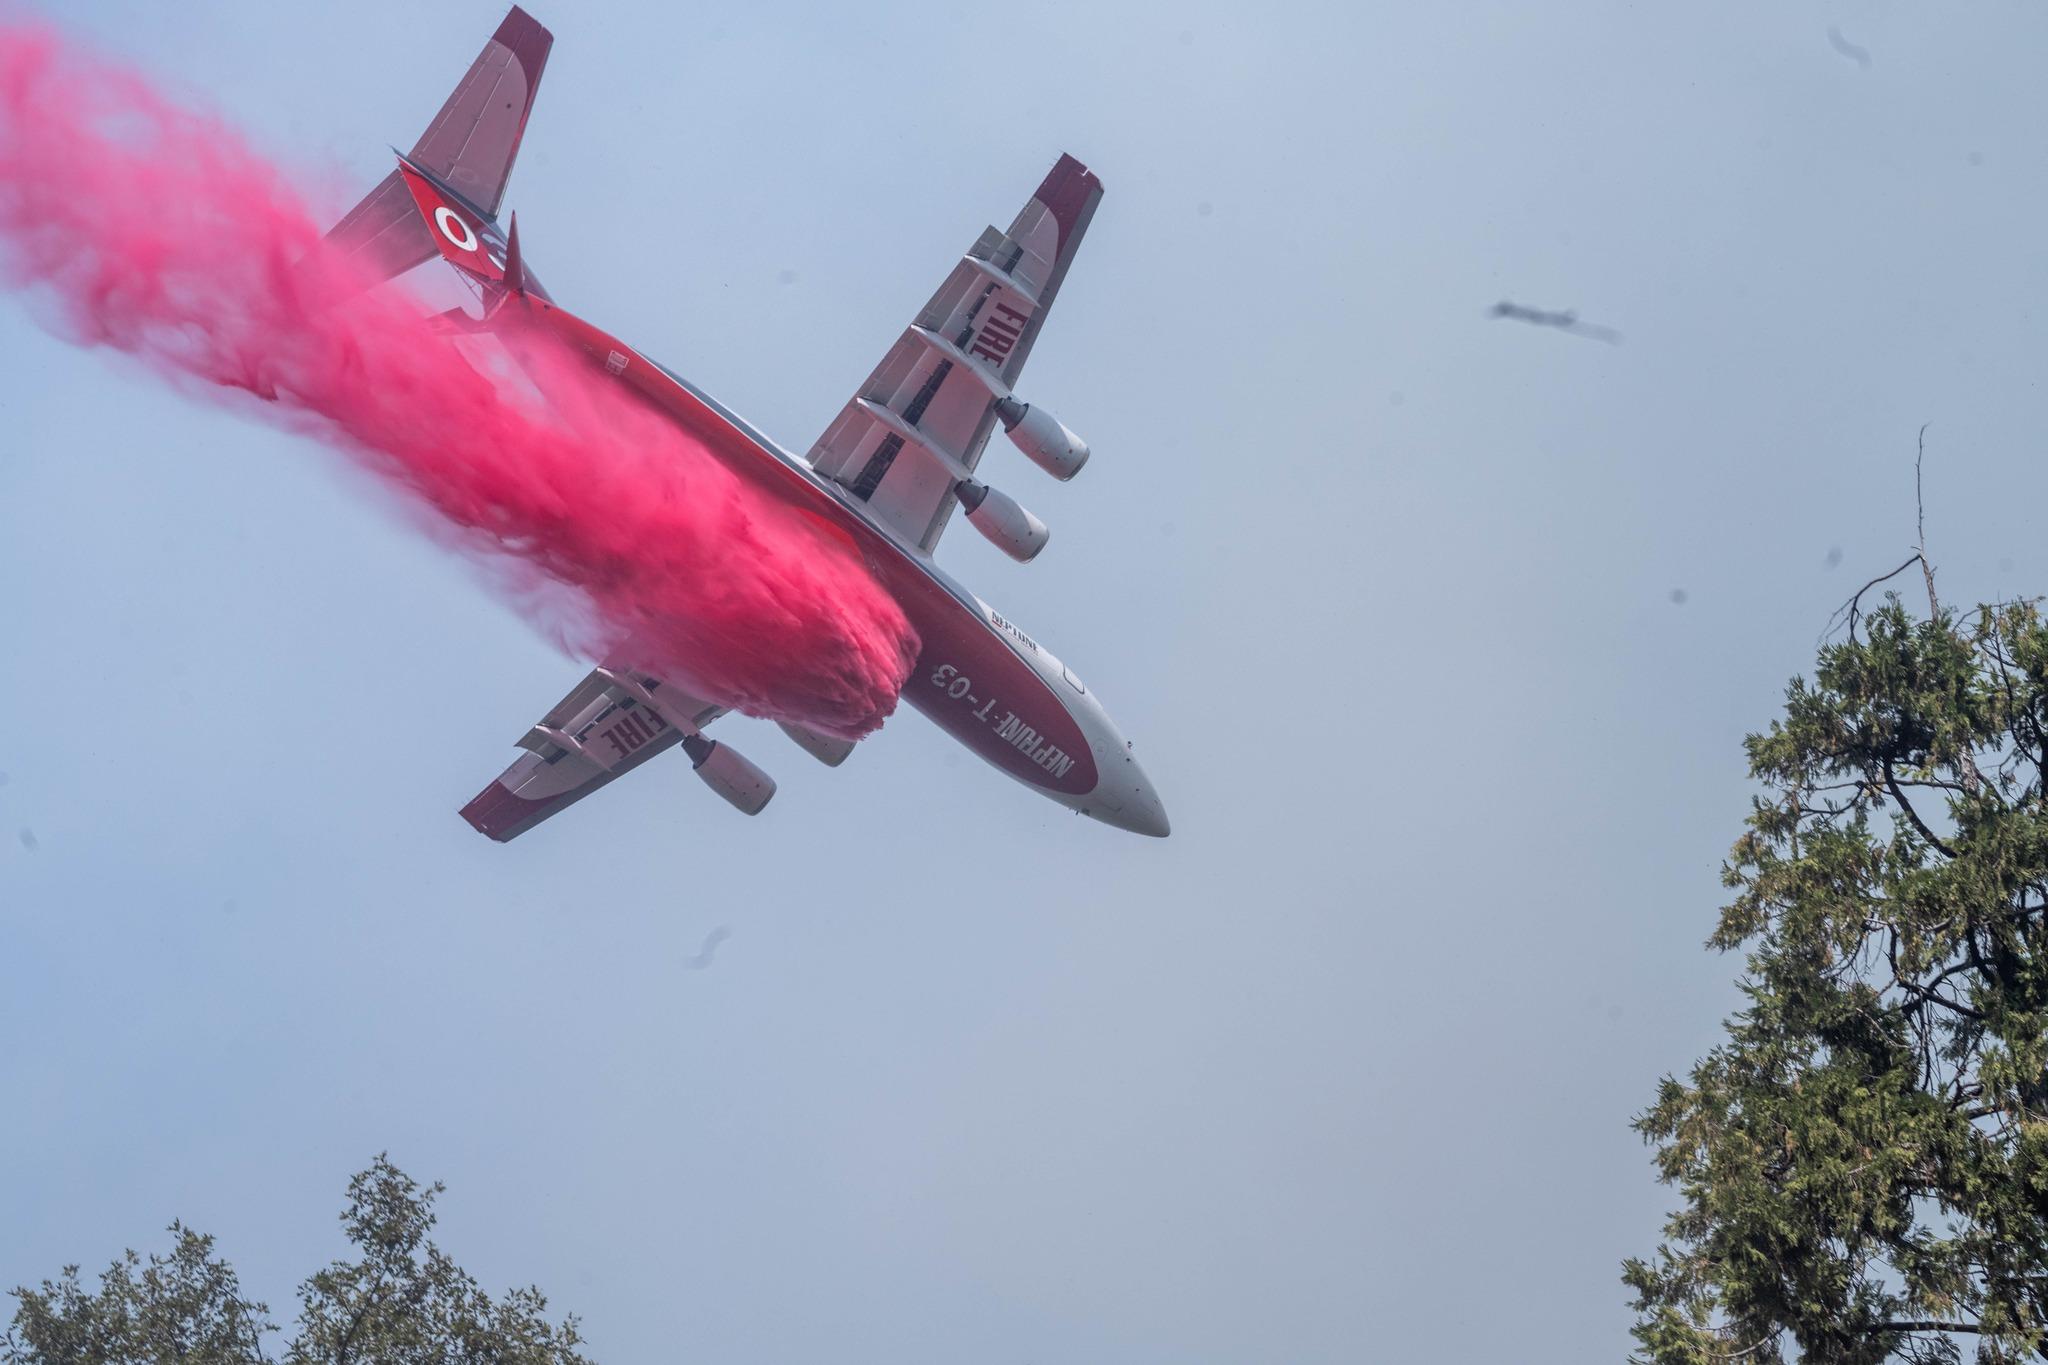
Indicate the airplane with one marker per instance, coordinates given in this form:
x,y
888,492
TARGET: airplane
x,y
902,453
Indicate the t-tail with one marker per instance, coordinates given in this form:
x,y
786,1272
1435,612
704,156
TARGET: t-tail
x,y
443,198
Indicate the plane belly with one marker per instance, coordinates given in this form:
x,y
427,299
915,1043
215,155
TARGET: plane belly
x,y
974,687
1003,695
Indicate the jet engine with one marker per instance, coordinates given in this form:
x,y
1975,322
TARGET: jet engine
x,y
726,771
1040,435
1006,524
827,750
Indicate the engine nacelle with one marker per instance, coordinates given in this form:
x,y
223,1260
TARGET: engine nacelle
x,y
1006,524
726,771
1040,435
827,750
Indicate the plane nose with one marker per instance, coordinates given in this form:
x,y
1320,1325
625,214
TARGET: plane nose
x,y
1150,817
1129,801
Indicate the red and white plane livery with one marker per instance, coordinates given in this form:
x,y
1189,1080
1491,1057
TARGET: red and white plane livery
x,y
887,472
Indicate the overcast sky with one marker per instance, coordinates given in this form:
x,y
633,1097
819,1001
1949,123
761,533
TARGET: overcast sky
x,y
1438,633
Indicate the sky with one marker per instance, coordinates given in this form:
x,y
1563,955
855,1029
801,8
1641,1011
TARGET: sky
x,y
1438,633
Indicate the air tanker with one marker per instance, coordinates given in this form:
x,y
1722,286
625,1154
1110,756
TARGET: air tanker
x,y
902,454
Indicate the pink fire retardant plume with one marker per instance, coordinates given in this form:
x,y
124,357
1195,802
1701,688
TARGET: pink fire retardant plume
x,y
160,233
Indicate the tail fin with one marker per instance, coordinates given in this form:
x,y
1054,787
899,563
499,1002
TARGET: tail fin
x,y
515,264
469,148
465,238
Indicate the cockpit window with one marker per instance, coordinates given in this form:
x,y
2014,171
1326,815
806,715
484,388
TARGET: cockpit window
x,y
1073,681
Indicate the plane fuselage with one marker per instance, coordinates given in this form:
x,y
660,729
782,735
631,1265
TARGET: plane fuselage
x,y
978,677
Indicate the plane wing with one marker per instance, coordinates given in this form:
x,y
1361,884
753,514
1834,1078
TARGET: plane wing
x,y
919,423
611,723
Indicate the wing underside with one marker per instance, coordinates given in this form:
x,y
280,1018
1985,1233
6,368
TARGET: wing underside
x,y
611,723
917,427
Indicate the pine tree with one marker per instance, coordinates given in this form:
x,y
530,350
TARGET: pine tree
x,y
1863,1160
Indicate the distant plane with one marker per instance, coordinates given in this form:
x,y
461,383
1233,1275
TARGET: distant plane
x,y
888,471
1567,321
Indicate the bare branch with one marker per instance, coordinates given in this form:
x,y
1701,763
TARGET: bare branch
x,y
1920,520
1911,814
1855,602
1973,781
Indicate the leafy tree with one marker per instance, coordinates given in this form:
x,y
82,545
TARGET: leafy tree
x,y
399,1301
1864,1159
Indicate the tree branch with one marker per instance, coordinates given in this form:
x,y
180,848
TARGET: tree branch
x,y
1851,607
1911,814
1973,780
1920,522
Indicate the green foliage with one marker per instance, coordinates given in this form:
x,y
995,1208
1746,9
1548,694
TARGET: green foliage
x,y
1864,1160
399,1301
186,1306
